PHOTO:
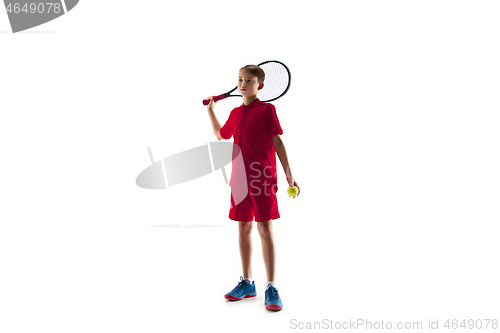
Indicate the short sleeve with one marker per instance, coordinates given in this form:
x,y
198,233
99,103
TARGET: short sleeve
x,y
226,131
273,124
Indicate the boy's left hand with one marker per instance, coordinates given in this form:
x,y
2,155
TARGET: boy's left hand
x,y
292,183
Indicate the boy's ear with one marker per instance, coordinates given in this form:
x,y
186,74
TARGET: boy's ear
x,y
261,85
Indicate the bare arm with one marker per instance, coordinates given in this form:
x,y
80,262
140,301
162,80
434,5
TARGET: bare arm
x,y
279,146
213,119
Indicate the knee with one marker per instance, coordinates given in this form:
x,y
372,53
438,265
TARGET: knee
x,y
265,231
245,228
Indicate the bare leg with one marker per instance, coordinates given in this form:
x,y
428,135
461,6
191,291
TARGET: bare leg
x,y
245,240
268,247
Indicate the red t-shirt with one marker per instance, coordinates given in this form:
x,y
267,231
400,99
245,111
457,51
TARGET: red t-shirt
x,y
253,127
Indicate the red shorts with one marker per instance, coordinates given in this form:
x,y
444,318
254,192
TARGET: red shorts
x,y
260,204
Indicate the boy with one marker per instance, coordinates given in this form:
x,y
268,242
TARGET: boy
x,y
256,130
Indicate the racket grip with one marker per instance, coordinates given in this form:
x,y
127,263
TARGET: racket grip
x,y
216,98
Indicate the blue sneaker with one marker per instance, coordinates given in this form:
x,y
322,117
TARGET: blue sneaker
x,y
273,301
242,290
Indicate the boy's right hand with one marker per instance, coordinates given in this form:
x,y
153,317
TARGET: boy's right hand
x,y
210,106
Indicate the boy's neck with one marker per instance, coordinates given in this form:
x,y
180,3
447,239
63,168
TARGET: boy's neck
x,y
248,100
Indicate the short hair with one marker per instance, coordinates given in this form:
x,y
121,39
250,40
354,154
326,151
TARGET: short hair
x,y
255,71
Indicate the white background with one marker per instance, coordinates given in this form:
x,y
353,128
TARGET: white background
x,y
391,128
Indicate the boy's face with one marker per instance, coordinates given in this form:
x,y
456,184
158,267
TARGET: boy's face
x,y
248,85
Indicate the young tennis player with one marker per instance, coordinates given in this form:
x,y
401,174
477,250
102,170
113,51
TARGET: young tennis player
x,y
256,130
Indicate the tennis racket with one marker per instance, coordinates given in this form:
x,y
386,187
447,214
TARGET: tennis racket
x,y
277,82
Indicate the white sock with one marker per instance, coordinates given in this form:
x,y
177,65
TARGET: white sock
x,y
272,283
248,280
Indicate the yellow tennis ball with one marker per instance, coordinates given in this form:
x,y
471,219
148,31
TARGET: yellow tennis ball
x,y
292,191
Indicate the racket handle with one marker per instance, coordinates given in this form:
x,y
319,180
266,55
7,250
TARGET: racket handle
x,y
216,98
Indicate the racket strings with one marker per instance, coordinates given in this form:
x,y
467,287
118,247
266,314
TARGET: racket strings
x,y
276,82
